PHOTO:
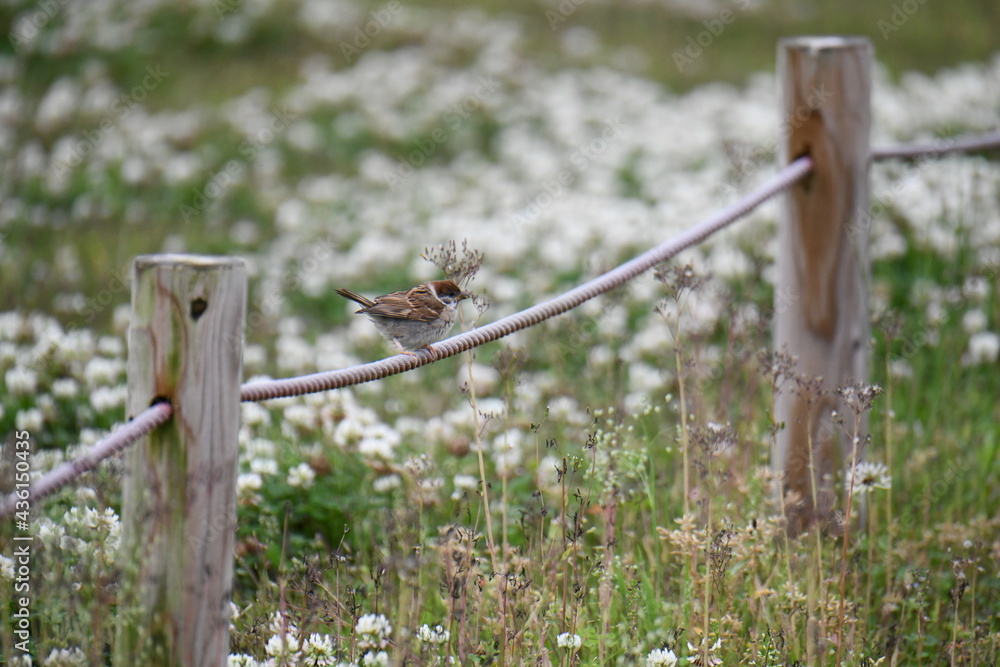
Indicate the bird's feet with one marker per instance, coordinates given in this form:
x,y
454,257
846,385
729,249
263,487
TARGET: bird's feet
x,y
435,355
411,353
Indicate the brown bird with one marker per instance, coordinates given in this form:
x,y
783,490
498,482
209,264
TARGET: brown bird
x,y
415,318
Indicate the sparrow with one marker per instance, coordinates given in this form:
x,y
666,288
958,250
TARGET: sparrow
x,y
415,318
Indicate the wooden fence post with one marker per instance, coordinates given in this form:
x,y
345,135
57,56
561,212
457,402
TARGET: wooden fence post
x,y
821,294
179,499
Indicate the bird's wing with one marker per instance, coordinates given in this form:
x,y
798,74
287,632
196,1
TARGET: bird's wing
x,y
418,305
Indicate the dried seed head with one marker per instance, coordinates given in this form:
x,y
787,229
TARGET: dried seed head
x,y
460,266
678,279
858,396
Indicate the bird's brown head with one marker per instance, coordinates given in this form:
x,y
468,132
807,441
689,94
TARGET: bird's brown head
x,y
448,291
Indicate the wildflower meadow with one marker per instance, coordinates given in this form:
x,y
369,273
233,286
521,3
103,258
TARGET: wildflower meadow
x,y
594,490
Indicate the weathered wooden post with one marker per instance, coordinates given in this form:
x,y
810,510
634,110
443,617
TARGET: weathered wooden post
x,y
822,289
179,504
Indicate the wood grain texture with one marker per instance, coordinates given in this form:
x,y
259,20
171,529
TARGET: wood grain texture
x,y
822,260
179,499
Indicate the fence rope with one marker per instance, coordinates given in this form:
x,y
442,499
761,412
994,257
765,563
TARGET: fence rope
x,y
157,414
111,444
317,382
938,148
310,384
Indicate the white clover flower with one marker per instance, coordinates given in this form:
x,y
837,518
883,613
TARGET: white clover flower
x,y
50,532
869,476
431,485
105,399
661,657
645,378
974,320
386,483
121,318
900,369
373,624
418,465
103,371
294,354
107,520
6,568
976,288
10,325
374,631
9,353
301,476
111,544
29,420
68,388
984,348
264,466
507,461
90,436
241,660
348,432
283,646
376,448
59,104
570,641
81,517
248,482
436,635
260,448
464,483
376,429
72,544
254,414
711,659
318,650
934,313
65,657
565,408
111,346
20,381
373,659
300,415
507,451
279,624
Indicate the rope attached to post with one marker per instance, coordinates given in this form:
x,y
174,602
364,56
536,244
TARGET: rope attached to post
x,y
108,446
309,384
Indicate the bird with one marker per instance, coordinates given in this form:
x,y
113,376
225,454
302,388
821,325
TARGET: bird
x,y
414,318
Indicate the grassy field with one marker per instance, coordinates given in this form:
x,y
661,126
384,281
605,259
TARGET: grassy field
x,y
524,504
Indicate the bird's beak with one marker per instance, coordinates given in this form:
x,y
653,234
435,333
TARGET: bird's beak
x,y
465,295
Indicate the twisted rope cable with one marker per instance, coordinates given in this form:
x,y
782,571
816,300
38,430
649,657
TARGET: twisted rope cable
x,y
309,384
111,444
937,148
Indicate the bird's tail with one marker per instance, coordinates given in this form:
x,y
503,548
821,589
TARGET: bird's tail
x,y
354,296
